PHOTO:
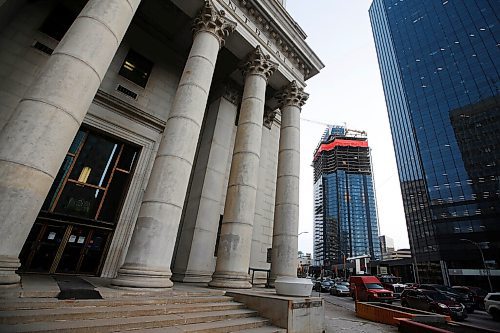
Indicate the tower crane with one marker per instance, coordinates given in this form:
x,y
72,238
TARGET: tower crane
x,y
348,130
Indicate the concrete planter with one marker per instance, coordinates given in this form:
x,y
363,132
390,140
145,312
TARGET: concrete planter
x,y
292,286
294,314
392,314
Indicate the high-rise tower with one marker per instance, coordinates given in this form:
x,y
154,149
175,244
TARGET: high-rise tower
x,y
440,63
345,214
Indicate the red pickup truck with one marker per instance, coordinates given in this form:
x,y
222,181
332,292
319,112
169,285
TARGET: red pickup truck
x,y
368,288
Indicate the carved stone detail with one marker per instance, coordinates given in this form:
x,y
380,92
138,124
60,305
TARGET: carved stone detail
x,y
292,95
232,93
269,115
271,31
258,63
212,20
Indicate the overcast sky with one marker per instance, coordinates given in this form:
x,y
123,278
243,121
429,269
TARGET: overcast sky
x,y
347,91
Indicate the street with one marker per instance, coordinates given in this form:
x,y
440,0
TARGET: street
x,y
346,306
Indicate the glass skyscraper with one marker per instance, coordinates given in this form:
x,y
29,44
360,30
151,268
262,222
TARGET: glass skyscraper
x,y
345,220
440,63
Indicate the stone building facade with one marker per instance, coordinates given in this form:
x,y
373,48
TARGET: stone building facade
x,y
150,141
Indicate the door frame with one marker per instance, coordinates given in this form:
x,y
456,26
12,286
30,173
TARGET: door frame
x,y
113,116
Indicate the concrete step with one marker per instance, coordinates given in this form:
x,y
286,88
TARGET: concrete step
x,y
232,325
263,329
130,323
52,303
99,312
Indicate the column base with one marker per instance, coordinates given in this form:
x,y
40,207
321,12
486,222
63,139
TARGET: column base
x,y
192,277
8,276
293,286
230,280
271,282
130,277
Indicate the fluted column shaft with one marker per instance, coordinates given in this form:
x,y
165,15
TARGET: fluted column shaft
x,y
35,140
286,210
233,255
147,263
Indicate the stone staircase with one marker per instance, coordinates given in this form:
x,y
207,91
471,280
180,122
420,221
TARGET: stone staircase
x,y
174,314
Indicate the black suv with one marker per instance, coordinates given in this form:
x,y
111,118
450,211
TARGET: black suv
x,y
433,301
323,286
453,294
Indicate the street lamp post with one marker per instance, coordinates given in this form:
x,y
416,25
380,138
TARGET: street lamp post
x,y
482,258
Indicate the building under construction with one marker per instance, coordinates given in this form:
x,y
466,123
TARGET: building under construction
x,y
345,213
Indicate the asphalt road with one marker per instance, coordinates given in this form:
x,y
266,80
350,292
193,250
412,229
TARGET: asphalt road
x,y
478,318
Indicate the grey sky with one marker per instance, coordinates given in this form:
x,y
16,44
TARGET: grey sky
x,y
349,91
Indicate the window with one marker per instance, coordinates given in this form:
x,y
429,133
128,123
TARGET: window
x,y
136,68
58,22
93,179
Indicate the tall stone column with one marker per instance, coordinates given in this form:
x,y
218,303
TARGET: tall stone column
x,y
147,264
194,259
36,138
233,255
286,210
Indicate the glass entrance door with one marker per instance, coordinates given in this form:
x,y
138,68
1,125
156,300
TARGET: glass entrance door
x,y
66,249
82,251
44,242
78,217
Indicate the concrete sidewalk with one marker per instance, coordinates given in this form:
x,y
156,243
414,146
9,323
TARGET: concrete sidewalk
x,y
339,319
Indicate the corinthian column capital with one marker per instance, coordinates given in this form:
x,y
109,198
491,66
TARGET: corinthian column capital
x,y
292,95
258,63
213,21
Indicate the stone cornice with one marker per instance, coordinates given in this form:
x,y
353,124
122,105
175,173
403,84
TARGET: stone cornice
x,y
104,99
276,24
212,20
258,63
292,95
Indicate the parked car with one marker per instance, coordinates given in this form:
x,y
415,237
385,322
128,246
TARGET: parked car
x,y
344,283
368,288
453,294
410,285
476,293
492,305
323,286
339,290
433,301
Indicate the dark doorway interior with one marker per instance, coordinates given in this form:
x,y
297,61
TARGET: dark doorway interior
x,y
76,223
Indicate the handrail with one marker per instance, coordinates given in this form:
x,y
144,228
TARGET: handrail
x,y
253,270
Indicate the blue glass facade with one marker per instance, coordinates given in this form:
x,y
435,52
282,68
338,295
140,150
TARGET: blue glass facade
x,y
350,200
345,207
440,63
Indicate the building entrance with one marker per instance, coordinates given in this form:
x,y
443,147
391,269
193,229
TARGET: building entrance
x,y
76,223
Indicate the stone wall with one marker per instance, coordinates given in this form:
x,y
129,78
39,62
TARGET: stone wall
x,y
20,63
